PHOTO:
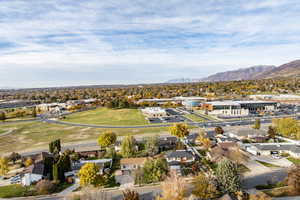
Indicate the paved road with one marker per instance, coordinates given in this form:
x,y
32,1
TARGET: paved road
x,y
200,124
261,174
273,176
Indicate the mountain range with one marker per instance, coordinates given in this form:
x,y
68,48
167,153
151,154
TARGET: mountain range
x,y
288,70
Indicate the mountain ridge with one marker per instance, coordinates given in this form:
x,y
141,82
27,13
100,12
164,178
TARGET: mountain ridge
x,y
290,69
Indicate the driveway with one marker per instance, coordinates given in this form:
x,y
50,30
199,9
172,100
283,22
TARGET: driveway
x,y
125,181
282,162
261,174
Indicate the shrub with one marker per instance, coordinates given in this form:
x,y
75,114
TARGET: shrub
x,y
45,187
130,195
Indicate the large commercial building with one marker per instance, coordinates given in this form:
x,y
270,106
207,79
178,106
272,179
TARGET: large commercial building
x,y
224,108
186,101
238,108
154,112
257,106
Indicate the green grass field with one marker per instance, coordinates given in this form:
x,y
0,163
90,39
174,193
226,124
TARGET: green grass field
x,y
195,118
106,116
33,135
16,191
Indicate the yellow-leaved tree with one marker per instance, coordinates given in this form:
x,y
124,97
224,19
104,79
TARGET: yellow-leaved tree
x,y
28,162
89,175
180,130
3,166
288,127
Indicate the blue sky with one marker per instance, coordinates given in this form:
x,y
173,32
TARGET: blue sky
x,y
67,42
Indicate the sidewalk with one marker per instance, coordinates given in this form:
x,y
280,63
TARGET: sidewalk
x,y
70,189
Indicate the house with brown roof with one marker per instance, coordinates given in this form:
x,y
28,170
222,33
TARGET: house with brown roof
x,y
129,165
221,150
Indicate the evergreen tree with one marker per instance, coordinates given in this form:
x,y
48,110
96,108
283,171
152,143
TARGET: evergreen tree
x,y
2,116
60,167
54,146
34,114
228,177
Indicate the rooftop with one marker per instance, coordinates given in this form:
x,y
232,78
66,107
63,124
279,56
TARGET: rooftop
x,y
125,161
279,146
223,103
36,168
180,154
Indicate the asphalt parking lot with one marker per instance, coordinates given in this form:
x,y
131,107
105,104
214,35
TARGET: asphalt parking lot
x,y
171,112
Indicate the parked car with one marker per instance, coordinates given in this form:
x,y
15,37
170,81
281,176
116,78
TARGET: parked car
x,y
276,156
15,179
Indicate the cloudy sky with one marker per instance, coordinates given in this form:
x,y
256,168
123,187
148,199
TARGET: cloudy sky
x,y
75,42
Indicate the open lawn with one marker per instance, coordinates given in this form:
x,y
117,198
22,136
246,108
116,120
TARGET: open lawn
x,y
33,135
16,191
106,116
206,116
194,118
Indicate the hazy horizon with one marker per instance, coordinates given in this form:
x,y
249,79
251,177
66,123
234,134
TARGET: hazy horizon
x,y
53,43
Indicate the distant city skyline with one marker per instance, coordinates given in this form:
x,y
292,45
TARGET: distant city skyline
x,y
65,43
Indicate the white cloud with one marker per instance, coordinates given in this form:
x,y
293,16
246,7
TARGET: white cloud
x,y
94,35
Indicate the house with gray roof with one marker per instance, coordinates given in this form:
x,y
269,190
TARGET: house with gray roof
x,y
274,148
180,156
33,173
248,133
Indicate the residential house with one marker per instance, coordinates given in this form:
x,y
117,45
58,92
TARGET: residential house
x,y
180,156
101,163
33,173
176,169
191,138
252,134
221,150
224,138
274,148
90,152
118,145
167,143
129,165
37,157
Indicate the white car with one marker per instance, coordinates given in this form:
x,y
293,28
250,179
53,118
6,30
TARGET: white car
x,y
275,156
